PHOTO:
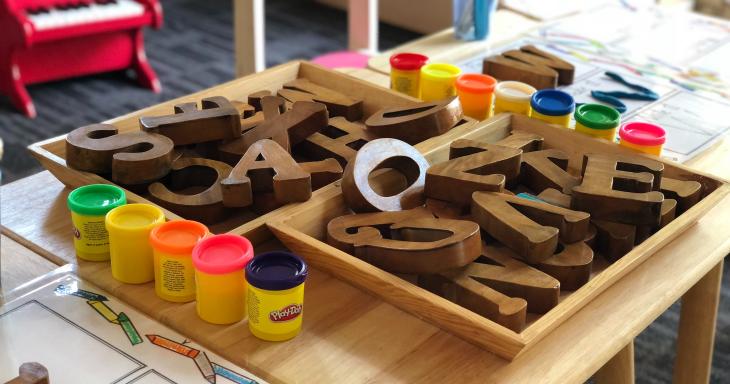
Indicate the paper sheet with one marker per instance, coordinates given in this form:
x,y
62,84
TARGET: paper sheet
x,y
81,334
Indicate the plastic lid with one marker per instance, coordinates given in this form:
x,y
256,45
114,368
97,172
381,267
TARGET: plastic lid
x,y
220,254
408,61
276,271
96,199
476,83
514,91
642,133
597,116
440,71
178,236
552,102
133,217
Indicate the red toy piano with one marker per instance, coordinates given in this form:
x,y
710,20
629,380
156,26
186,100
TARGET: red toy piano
x,y
44,40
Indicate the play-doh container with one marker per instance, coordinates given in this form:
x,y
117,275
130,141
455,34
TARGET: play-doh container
x,y
643,137
220,283
552,106
275,295
437,81
89,205
405,73
476,93
597,120
514,97
129,228
172,248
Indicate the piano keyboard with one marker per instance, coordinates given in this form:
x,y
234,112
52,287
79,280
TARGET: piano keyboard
x,y
94,11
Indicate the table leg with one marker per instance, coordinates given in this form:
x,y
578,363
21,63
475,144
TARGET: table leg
x,y
248,29
618,370
362,20
697,329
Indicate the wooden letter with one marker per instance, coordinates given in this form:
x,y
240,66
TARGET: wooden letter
x,y
530,228
614,240
497,269
132,158
337,103
669,212
410,241
620,188
509,312
686,192
416,123
194,189
322,172
571,265
31,373
525,141
555,197
473,166
530,65
378,154
340,140
287,129
218,120
547,169
253,174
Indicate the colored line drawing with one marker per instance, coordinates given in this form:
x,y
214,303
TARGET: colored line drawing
x,y
231,375
207,369
129,329
149,373
101,308
139,365
73,290
97,302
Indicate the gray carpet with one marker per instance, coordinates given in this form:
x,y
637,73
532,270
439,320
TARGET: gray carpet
x,y
193,51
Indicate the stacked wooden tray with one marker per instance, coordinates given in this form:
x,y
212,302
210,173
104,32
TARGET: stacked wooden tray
x,y
301,227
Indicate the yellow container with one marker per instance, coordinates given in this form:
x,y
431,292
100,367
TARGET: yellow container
x,y
513,97
129,228
405,73
220,283
88,205
552,106
275,297
437,81
476,92
643,137
597,120
172,247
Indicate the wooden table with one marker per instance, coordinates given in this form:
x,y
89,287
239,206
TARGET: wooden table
x,y
366,339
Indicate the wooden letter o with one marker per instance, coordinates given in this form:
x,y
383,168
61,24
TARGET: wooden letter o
x,y
378,154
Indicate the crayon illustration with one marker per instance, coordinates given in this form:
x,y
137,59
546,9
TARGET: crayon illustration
x,y
129,329
232,376
74,291
206,368
101,308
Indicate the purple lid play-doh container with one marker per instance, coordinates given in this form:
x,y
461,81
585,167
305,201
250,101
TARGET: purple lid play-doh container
x,y
276,271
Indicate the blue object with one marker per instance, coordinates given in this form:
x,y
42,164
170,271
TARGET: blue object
x,y
612,97
552,102
471,18
528,196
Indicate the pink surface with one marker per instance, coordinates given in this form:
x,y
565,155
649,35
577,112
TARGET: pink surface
x,y
342,59
220,254
642,133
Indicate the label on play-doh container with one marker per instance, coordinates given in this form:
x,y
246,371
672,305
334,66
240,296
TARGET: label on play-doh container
x,y
89,204
275,298
220,283
172,245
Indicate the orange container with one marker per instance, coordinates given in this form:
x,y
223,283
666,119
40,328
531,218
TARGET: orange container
x,y
172,249
476,94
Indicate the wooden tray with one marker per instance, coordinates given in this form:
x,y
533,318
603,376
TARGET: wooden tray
x,y
51,153
302,229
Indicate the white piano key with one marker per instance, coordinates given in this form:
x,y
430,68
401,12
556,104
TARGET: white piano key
x,y
93,13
